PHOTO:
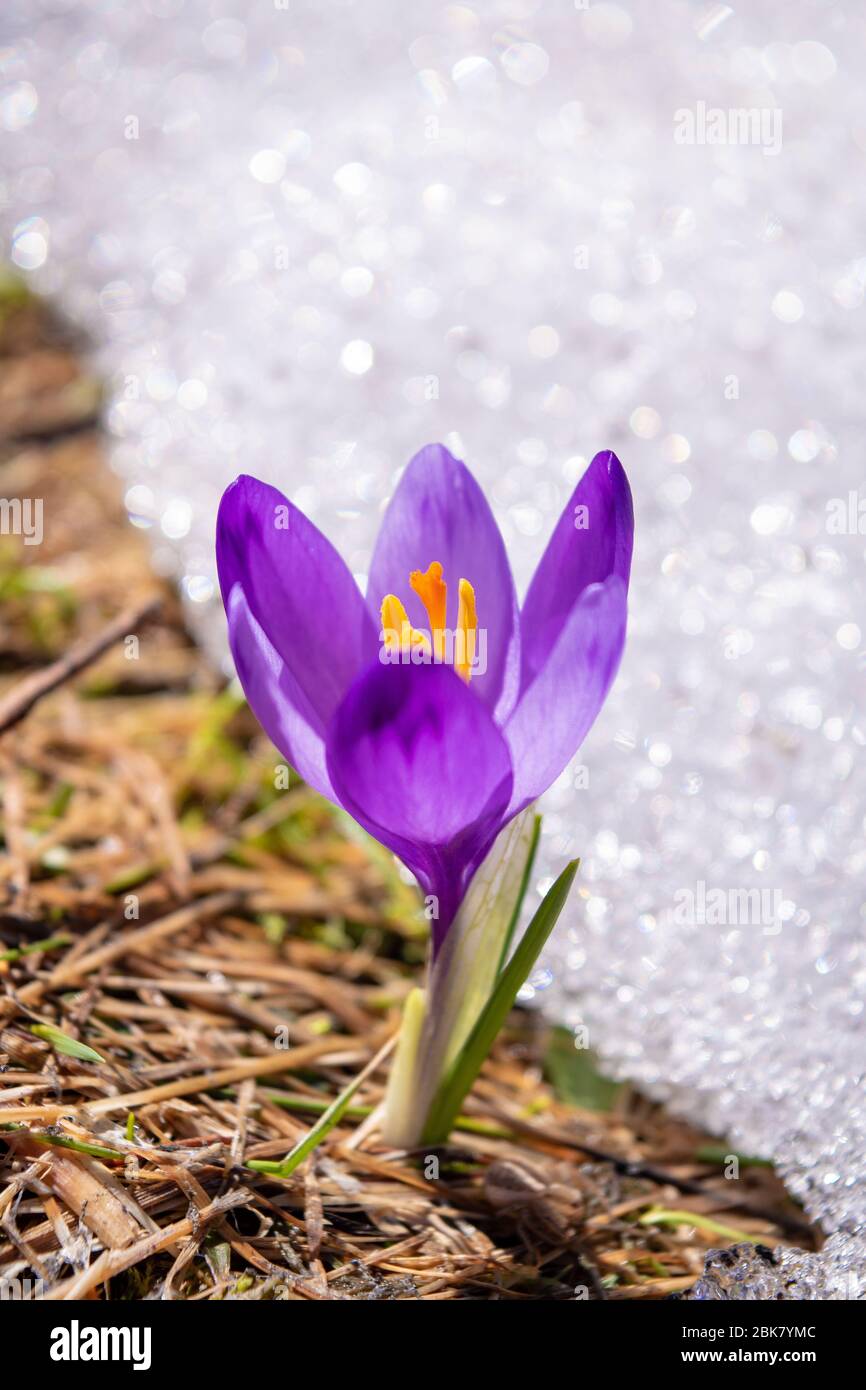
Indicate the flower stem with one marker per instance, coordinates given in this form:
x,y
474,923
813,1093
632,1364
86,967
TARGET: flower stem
x,y
451,1093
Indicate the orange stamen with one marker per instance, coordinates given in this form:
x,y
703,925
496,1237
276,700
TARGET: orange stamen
x,y
433,593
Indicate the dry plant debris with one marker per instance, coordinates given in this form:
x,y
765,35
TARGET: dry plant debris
x,y
194,961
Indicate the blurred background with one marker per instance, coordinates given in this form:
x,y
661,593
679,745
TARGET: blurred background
x,y
306,239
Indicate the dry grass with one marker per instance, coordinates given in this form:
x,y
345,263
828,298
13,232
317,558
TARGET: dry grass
x,y
235,954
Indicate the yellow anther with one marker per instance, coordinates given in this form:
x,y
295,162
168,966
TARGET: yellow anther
x,y
398,632
467,628
433,593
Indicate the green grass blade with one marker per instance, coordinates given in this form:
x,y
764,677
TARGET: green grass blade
x,y
721,1154
48,943
61,1042
658,1216
467,1065
308,1105
332,1116
63,1141
521,894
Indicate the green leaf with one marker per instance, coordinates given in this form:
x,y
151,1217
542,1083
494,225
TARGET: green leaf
x,y
402,1082
61,1042
574,1075
521,892
449,1098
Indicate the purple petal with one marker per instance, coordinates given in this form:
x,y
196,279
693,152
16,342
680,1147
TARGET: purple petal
x,y
586,547
274,696
416,758
556,712
439,512
300,593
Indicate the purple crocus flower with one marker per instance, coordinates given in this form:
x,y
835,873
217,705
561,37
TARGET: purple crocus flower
x,y
433,761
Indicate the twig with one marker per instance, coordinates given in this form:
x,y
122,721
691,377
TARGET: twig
x,y
291,1059
16,840
20,700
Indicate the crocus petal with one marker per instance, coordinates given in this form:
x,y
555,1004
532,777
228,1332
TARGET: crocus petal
x,y
556,712
438,512
416,758
274,697
299,591
587,546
